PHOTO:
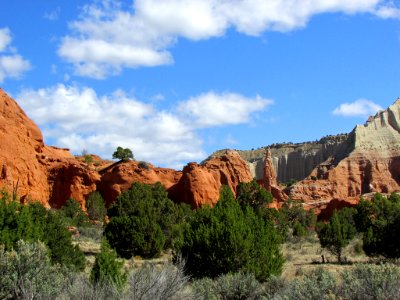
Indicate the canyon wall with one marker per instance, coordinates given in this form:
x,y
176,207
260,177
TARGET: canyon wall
x,y
296,161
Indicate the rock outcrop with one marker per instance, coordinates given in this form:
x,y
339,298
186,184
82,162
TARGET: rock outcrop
x,y
334,171
21,142
33,170
119,177
297,161
372,166
201,184
51,175
269,180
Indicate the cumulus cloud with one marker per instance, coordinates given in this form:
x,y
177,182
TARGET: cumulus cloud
x,y
389,11
107,38
12,65
212,109
358,108
79,118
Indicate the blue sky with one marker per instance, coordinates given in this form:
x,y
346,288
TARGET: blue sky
x,y
175,80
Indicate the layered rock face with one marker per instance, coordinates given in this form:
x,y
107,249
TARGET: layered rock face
x,y
372,166
297,161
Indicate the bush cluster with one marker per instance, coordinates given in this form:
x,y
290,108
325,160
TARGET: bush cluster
x,y
31,223
144,221
377,220
231,238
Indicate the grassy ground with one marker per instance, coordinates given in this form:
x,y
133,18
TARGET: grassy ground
x,y
305,254
302,254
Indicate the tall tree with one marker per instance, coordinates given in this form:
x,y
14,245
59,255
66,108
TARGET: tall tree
x,y
338,232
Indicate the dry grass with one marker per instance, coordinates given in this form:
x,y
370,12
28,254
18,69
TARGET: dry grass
x,y
305,254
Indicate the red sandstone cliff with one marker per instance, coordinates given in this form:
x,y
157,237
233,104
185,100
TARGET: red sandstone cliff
x,y
52,175
33,170
119,177
201,184
269,181
370,163
373,165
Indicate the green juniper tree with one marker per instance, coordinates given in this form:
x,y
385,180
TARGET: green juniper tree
x,y
231,238
338,232
123,154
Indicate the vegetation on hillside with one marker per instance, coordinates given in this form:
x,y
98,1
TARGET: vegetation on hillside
x,y
229,251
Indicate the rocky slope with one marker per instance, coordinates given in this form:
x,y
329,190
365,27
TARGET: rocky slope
x,y
372,166
33,170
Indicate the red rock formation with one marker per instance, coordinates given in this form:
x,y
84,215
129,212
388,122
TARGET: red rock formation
x,y
269,181
34,171
357,174
200,184
21,141
119,177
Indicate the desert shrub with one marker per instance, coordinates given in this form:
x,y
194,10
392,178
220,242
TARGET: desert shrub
x,y
252,194
95,207
273,287
88,159
299,229
338,232
80,287
203,288
107,269
379,221
367,282
72,214
93,232
33,222
27,273
291,182
227,239
144,221
238,286
228,287
152,282
144,165
293,214
317,285
59,241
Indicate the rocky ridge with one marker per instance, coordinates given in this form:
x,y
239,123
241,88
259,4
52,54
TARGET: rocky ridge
x,y
51,175
372,166
334,171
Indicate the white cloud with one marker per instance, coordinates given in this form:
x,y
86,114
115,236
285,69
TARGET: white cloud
x,y
358,108
389,11
5,38
11,65
107,38
52,15
211,109
78,118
